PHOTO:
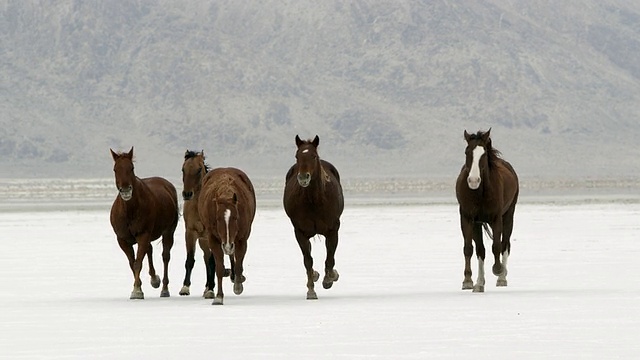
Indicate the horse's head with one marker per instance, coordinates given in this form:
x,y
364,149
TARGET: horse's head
x,y
478,146
227,221
307,159
193,170
123,170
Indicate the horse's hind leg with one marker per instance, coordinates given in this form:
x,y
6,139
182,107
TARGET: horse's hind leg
x,y
312,275
190,243
331,274
167,244
480,252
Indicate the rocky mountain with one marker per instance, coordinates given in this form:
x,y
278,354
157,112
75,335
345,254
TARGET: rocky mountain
x,y
389,86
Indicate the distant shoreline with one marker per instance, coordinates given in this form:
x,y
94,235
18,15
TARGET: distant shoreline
x,y
79,194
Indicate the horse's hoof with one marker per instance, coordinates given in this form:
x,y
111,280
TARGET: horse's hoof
x,y
165,293
237,288
467,285
315,276
328,280
137,295
209,294
497,269
155,281
185,291
501,282
478,288
311,295
217,300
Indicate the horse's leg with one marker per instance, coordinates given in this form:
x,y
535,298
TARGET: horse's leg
x,y
155,279
480,252
312,275
467,232
214,245
167,244
330,274
210,266
496,248
127,248
231,272
143,249
190,238
241,250
507,228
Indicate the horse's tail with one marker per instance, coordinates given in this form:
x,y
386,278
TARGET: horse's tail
x,y
487,230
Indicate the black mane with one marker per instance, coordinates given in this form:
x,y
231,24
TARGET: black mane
x,y
191,154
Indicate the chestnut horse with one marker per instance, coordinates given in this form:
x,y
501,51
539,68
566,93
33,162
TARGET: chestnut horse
x,y
144,210
227,206
193,171
487,192
313,202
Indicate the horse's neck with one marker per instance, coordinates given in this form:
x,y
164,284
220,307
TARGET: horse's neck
x,y
140,190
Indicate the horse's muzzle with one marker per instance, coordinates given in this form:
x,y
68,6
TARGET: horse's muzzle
x,y
228,248
187,195
473,182
304,179
126,193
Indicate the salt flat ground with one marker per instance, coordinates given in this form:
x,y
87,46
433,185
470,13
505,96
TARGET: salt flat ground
x,y
573,290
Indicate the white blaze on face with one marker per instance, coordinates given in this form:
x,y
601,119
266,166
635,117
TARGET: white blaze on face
x,y
474,174
305,151
227,216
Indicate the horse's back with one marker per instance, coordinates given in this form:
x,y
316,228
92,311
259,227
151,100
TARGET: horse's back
x,y
242,185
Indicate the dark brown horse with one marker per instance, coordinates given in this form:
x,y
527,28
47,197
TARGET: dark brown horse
x,y
227,206
144,210
313,201
487,192
194,169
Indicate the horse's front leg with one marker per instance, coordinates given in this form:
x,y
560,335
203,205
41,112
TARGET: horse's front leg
x,y
480,253
312,275
127,248
330,273
496,248
190,238
218,255
167,244
210,267
143,249
466,226
155,279
241,250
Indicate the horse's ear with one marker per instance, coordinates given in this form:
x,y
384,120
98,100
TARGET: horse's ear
x,y
130,153
485,136
235,199
467,137
298,141
316,141
113,154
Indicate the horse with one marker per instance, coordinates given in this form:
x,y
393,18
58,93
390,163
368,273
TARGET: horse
x,y
487,191
227,207
144,210
194,169
314,202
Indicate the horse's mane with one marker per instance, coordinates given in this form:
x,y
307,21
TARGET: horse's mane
x,y
191,154
493,154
